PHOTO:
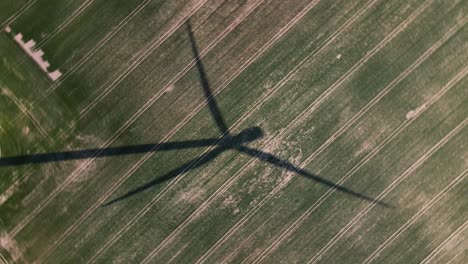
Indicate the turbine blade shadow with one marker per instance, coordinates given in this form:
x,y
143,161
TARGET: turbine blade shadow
x,y
267,157
104,152
212,105
193,164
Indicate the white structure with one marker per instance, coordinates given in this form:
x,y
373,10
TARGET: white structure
x,y
36,55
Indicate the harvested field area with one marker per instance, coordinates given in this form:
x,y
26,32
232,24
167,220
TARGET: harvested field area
x,y
253,131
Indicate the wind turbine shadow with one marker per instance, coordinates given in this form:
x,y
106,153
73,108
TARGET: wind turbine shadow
x,y
238,142
226,141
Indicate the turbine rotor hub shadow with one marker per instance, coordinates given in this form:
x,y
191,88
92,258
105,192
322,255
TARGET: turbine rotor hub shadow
x,y
245,136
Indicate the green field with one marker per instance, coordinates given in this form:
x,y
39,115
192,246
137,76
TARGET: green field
x,y
369,97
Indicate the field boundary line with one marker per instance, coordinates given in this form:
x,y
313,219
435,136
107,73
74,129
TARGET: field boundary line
x,y
437,250
35,211
152,100
389,188
332,138
297,120
18,13
416,217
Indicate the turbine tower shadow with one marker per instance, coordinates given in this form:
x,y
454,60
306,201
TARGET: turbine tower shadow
x,y
227,141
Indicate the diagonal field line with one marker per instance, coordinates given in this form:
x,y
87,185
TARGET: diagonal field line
x,y
436,251
65,183
413,219
300,118
186,69
331,139
389,188
18,13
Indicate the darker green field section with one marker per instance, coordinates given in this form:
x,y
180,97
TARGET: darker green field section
x,y
359,107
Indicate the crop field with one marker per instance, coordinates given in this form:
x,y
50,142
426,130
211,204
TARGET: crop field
x,y
247,131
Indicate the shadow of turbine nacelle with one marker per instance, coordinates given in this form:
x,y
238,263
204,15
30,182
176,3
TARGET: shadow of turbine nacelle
x,y
247,135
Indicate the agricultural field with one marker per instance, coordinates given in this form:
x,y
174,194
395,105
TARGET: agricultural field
x,y
247,131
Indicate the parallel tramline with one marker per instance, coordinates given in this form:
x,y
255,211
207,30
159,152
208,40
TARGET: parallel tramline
x,y
262,50
265,47
17,14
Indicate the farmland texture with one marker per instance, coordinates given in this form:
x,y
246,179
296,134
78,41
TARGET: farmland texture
x,y
360,110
